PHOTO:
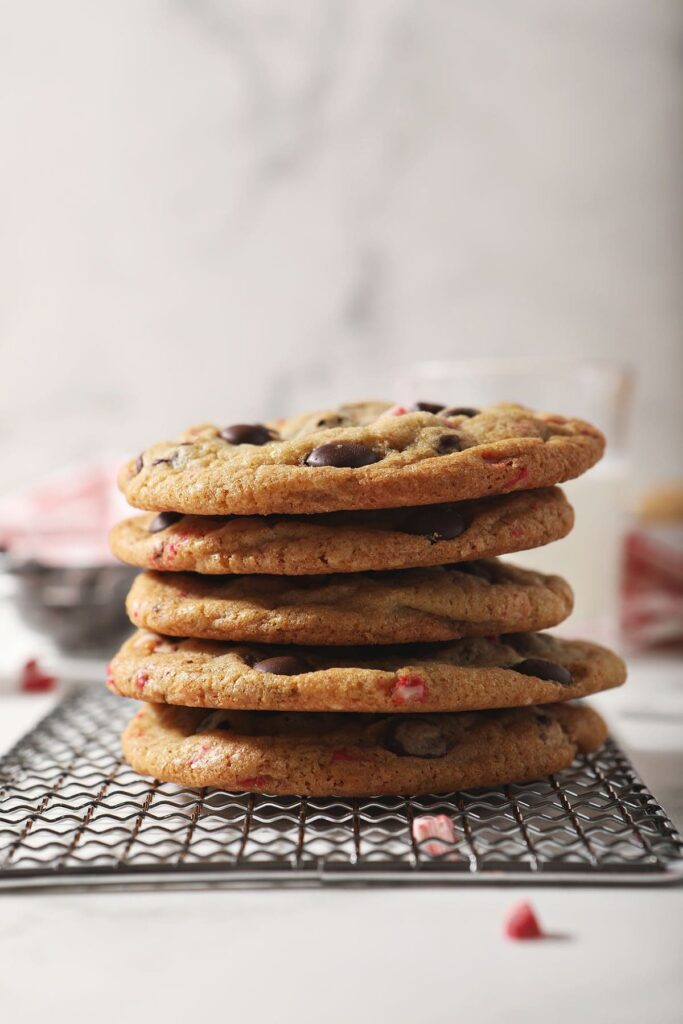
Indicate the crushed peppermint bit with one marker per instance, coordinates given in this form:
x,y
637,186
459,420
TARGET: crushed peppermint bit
x,y
521,475
521,922
199,759
409,688
255,781
434,834
33,680
344,754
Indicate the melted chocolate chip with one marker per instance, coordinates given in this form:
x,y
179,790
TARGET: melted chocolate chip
x,y
438,522
247,433
543,719
342,454
543,669
139,463
415,736
460,410
328,422
520,642
447,444
285,665
163,521
170,461
434,407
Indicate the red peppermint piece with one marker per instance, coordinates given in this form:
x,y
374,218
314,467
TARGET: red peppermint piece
x,y
397,410
255,781
521,923
199,759
34,680
110,681
344,754
437,829
520,476
411,688
141,680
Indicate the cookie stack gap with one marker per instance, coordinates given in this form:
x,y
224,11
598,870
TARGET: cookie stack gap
x,y
297,636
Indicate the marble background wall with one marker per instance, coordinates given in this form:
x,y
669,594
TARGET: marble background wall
x,y
214,209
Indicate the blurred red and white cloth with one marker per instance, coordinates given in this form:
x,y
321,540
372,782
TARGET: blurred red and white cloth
x,y
652,596
64,520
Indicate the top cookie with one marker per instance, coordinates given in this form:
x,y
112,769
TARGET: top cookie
x,y
362,456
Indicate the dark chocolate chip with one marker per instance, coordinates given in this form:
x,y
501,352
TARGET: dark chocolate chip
x,y
328,422
247,433
543,669
139,463
543,719
162,462
438,522
520,642
434,407
342,454
460,410
447,444
285,665
163,521
415,736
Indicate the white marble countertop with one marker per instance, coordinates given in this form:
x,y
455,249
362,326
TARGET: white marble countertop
x,y
393,953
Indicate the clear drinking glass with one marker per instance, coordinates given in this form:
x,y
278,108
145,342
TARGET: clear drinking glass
x,y
595,390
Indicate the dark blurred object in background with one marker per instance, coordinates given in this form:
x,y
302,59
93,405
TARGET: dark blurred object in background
x,y
61,577
81,609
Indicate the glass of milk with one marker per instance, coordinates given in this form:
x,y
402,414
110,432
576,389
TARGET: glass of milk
x,y
598,391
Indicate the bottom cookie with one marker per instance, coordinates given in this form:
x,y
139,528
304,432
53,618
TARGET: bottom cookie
x,y
337,754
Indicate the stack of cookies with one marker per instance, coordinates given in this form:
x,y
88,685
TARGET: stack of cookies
x,y
323,611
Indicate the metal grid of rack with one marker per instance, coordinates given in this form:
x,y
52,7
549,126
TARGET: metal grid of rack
x,y
73,814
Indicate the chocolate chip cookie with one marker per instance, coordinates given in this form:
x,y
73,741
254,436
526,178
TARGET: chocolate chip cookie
x,y
480,598
344,541
465,675
364,456
355,755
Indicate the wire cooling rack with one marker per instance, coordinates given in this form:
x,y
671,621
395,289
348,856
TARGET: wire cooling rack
x,y
73,814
